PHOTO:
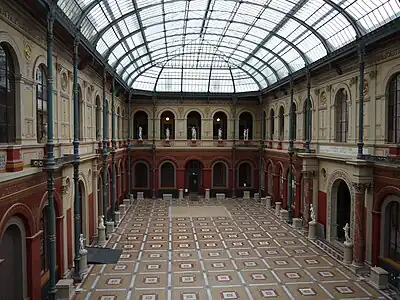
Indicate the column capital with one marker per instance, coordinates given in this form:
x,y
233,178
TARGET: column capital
x,y
309,174
360,187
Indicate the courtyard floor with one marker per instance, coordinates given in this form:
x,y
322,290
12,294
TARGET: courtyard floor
x,y
233,249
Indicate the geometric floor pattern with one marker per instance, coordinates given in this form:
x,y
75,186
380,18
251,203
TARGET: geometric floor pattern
x,y
245,254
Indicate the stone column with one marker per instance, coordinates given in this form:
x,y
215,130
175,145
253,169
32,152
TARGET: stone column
x,y
285,193
275,190
359,216
308,195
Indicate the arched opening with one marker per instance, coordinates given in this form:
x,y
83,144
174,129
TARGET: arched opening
x,y
220,126
281,123
305,123
41,104
141,175
80,114
7,96
394,110
13,264
194,126
98,118
294,121
219,175
245,175
122,120
193,176
392,231
167,175
271,124
118,121
82,205
341,116
265,125
245,123
167,125
343,207
270,180
100,195
140,125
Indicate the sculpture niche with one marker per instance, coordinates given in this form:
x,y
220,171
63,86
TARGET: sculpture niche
x,y
246,134
140,133
220,134
167,134
194,134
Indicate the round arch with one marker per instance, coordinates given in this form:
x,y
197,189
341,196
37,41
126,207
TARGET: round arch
x,y
383,194
24,213
241,180
40,60
144,109
340,86
167,159
162,184
388,200
194,110
332,188
220,158
187,160
224,176
220,109
161,111
14,51
146,183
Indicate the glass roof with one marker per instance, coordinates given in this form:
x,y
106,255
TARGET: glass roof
x,y
220,46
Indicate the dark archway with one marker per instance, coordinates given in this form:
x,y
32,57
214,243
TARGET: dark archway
x,y
140,119
305,124
245,122
100,195
270,179
98,118
141,175
271,124
82,207
80,114
281,123
167,175
341,116
220,120
167,121
343,208
193,120
13,253
219,174
245,175
392,231
194,176
294,121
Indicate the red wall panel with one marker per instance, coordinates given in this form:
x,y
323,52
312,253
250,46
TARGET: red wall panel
x,y
322,208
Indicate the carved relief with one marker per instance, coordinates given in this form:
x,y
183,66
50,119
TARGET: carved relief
x,y
27,50
353,80
373,74
322,98
366,87
207,111
64,81
180,110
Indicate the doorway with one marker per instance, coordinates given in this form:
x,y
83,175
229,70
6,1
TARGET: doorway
x,y
193,177
343,209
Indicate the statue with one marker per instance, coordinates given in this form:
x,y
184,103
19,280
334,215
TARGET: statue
x,y
220,134
167,133
193,133
312,213
140,133
246,134
101,220
346,229
81,242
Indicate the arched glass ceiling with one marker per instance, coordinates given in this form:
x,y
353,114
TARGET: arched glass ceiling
x,y
220,46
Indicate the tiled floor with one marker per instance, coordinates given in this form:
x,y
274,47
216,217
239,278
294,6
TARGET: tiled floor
x,y
184,250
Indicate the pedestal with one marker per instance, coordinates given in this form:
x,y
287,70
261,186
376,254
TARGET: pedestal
x,y
278,206
284,214
379,278
220,196
348,253
122,209
65,289
257,197
312,230
110,227
140,196
101,241
246,195
83,262
207,194
117,215
268,200
167,197
127,203
131,198
180,194
297,223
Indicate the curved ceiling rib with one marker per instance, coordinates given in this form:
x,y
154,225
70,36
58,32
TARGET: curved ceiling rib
x,y
231,45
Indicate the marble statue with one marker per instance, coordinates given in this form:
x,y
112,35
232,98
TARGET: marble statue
x,y
312,213
246,134
101,220
220,134
346,229
81,242
167,133
193,133
140,133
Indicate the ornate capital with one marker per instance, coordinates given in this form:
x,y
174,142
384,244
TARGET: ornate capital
x,y
360,188
308,174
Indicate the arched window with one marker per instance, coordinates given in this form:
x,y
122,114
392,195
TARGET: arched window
x,y
44,242
7,96
281,123
394,110
265,124
98,118
118,121
41,104
140,119
245,122
220,121
80,114
393,231
294,120
167,121
193,121
245,175
141,175
271,124
167,175
305,119
219,175
100,195
270,179
342,116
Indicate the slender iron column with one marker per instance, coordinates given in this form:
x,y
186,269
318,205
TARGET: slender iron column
x,y
113,152
308,113
105,148
129,144
50,165
77,205
261,150
234,150
153,147
290,152
360,144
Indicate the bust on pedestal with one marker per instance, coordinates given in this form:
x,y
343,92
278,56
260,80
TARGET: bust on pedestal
x,y
102,232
